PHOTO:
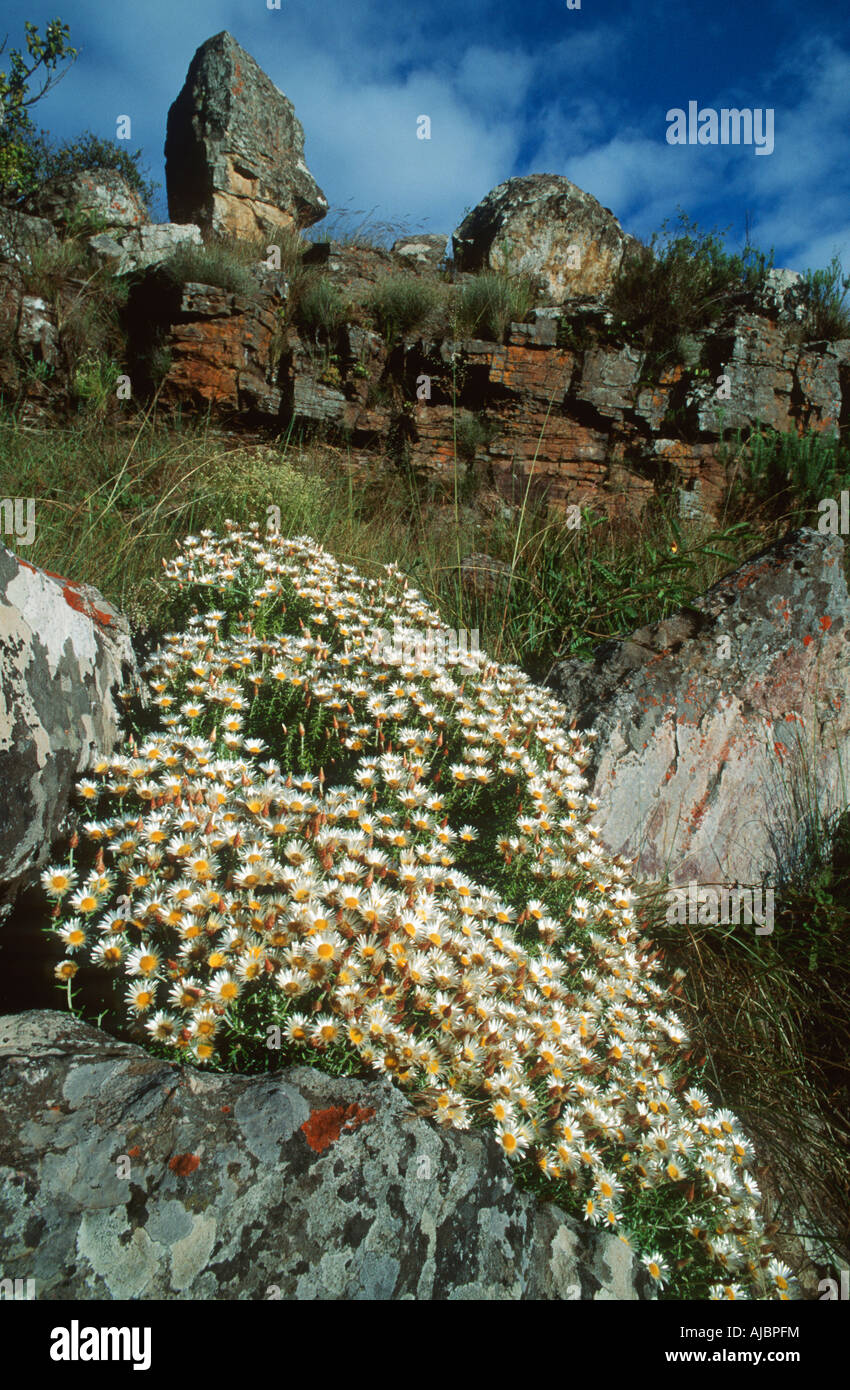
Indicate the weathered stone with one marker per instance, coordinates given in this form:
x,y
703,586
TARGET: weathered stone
x,y
64,653
429,249
220,345
760,371
99,194
38,335
151,245
719,726
546,227
608,380
20,234
296,1185
234,149
783,296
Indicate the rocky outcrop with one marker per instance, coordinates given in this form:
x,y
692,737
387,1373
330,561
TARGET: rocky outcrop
x,y
64,654
144,247
99,194
428,249
122,1176
719,727
234,149
546,227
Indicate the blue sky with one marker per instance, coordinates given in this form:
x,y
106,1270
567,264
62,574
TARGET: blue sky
x,y
510,89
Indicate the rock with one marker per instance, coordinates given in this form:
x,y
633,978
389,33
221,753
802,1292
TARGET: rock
x,y
482,576
101,195
234,149
717,726
758,363
38,336
64,652
219,344
429,249
783,296
20,234
608,380
144,246
296,1185
546,227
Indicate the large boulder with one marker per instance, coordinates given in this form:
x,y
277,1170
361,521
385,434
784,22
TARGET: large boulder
x,y
102,196
722,728
234,149
546,227
64,654
144,247
122,1176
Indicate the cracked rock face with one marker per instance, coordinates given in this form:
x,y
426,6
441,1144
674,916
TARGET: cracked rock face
x,y
545,226
64,653
714,723
234,149
122,1176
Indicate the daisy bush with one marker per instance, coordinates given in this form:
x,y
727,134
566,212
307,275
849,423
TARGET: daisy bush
x,y
385,853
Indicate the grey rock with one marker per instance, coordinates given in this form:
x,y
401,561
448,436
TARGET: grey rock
x,y
296,1185
20,234
64,653
544,226
234,149
144,246
99,194
429,249
720,727
38,335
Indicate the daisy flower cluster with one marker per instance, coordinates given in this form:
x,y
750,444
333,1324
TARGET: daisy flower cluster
x,y
414,876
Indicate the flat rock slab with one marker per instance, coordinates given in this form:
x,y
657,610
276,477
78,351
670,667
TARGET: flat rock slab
x,y
122,1176
719,727
64,654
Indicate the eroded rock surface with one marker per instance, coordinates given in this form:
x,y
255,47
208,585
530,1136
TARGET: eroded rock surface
x,y
64,653
545,226
234,149
294,1186
717,725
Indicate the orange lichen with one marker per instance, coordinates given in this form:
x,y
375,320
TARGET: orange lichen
x,y
325,1126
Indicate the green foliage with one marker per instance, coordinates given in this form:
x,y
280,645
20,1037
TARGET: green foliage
x,y
90,151
681,284
94,381
787,475
571,588
402,302
320,308
19,164
827,317
217,263
491,301
471,433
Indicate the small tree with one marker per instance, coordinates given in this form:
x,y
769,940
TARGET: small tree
x,y
18,141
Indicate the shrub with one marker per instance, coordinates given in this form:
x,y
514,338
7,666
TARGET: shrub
x,y
410,884
216,263
678,285
491,301
788,474
827,315
94,381
20,147
402,302
319,307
